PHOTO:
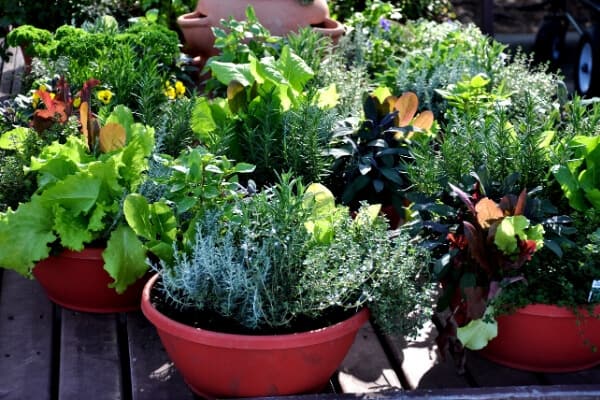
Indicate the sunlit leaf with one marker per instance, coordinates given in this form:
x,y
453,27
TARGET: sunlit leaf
x,y
424,120
112,137
407,106
487,212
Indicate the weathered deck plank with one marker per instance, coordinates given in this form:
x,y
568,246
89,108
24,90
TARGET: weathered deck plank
x,y
10,74
25,339
153,375
422,365
90,364
489,374
366,367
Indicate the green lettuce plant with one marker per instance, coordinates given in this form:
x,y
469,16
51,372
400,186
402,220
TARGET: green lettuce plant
x,y
81,184
579,178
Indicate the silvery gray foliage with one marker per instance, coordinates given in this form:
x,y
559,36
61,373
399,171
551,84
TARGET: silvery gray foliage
x,y
265,270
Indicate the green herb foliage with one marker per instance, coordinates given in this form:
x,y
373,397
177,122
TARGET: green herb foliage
x,y
264,268
78,202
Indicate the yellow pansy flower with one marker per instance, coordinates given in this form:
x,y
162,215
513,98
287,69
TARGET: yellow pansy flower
x,y
170,92
35,98
104,96
179,89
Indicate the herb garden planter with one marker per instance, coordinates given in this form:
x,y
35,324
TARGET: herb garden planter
x,y
229,365
546,338
280,18
78,281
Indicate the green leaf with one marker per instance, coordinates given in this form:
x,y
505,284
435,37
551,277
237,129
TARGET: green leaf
x,y
479,81
53,170
378,185
441,264
328,97
25,235
226,72
477,333
381,93
243,168
554,247
295,70
468,280
391,174
268,70
367,215
72,229
319,199
77,193
354,187
570,186
15,139
123,116
73,152
151,221
202,122
124,258
514,227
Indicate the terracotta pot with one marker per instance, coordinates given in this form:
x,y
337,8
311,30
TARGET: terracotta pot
x,y
78,281
279,17
228,365
546,338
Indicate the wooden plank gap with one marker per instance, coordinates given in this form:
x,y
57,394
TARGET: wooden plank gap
x,y
55,359
124,356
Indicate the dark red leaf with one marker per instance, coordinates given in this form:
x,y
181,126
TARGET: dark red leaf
x,y
477,247
464,197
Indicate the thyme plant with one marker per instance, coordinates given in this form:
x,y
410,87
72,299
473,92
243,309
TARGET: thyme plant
x,y
283,255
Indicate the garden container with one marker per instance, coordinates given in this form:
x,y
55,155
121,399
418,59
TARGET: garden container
x,y
546,338
78,281
279,17
218,364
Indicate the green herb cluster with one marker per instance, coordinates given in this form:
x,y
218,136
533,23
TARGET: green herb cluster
x,y
288,252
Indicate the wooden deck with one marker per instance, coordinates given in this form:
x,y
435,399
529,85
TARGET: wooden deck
x,y
50,353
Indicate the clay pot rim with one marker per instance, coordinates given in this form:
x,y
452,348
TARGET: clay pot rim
x,y
551,310
260,342
331,27
88,253
194,19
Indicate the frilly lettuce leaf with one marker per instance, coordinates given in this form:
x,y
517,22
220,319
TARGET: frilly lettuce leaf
x,y
477,333
517,226
15,139
72,229
27,232
328,97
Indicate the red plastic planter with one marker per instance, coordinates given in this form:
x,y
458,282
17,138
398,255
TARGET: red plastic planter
x,y
78,281
546,338
227,365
